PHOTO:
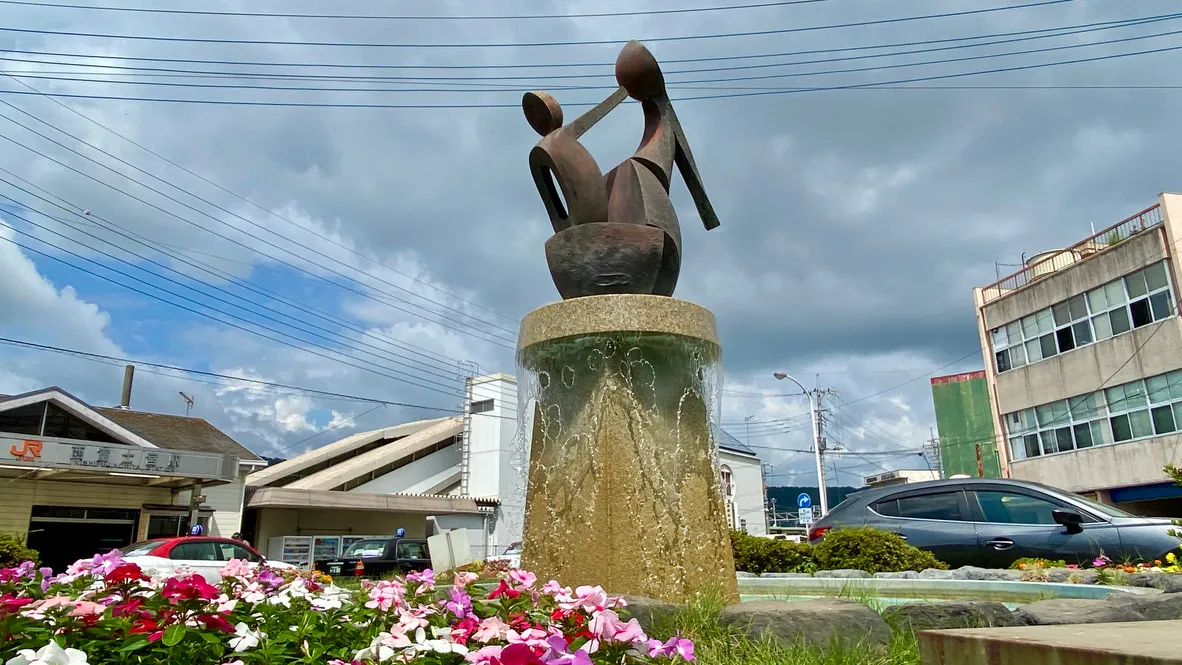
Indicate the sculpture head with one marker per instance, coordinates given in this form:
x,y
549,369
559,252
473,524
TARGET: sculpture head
x,y
637,72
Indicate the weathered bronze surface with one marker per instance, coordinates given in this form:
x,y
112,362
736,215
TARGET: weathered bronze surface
x,y
597,247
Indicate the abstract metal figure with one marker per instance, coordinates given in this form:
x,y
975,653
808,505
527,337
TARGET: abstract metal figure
x,y
616,233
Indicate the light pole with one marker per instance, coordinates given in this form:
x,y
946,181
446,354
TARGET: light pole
x,y
823,495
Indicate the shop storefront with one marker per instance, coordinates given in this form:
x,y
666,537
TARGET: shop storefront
x,y
76,479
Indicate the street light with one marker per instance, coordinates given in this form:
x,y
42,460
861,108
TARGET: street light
x,y
816,442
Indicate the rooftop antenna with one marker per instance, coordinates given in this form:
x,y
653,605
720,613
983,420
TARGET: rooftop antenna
x,y
189,402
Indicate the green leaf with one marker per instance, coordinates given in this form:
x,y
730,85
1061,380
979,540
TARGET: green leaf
x,y
137,642
173,635
210,637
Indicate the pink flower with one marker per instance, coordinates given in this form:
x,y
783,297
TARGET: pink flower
x,y
606,625
491,629
586,598
426,578
237,568
553,588
489,655
523,579
385,595
462,580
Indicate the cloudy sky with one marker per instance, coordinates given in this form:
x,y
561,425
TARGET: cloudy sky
x,y
360,228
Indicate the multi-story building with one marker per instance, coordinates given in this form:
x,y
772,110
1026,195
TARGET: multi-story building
x,y
1083,359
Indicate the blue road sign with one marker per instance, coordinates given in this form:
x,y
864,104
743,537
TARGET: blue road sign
x,y
803,501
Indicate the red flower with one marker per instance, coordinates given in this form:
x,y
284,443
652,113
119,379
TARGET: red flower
x,y
216,622
144,625
125,572
503,590
193,587
127,609
519,654
10,603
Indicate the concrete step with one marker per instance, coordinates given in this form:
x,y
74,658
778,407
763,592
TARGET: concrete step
x,y
1143,643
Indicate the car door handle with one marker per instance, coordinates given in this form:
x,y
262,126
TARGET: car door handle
x,y
1000,544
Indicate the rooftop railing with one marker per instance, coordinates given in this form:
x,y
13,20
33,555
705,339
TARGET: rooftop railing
x,y
1055,261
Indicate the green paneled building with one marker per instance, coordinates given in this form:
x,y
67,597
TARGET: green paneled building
x,y
964,419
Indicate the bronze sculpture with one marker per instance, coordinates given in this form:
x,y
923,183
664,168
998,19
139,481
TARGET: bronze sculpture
x,y
616,233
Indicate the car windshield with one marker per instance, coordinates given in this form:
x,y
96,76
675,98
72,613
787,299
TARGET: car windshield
x,y
515,548
1109,511
141,549
366,549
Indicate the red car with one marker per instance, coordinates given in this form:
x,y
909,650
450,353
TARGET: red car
x,y
205,555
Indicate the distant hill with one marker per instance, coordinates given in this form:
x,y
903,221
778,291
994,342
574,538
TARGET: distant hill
x,y
786,496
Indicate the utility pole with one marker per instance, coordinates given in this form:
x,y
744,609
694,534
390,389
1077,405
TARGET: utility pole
x,y
934,442
822,443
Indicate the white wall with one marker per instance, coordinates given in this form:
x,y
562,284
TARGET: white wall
x,y
474,525
749,496
490,471
226,502
415,476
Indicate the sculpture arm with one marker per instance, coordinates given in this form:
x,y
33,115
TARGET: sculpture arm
x,y
689,170
586,121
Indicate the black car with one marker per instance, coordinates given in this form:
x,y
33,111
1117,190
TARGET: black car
x,y
379,557
992,523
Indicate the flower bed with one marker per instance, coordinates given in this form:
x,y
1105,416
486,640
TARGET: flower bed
x,y
106,610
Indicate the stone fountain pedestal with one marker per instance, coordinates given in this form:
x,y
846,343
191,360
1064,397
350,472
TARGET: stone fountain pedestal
x,y
623,485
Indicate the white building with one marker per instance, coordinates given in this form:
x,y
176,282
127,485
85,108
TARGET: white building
x,y
744,488
427,477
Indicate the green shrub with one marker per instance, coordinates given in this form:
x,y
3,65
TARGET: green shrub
x,y
763,555
871,550
13,551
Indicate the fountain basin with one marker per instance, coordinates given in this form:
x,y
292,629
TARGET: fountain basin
x,y
894,591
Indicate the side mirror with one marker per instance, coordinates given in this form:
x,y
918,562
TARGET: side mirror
x,y
1069,519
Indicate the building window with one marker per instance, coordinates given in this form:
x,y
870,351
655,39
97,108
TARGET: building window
x,y
483,406
727,480
1128,412
1117,307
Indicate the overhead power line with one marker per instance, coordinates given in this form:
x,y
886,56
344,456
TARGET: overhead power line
x,y
562,65
244,199
487,83
492,337
251,307
409,17
234,379
673,85
364,367
595,42
900,84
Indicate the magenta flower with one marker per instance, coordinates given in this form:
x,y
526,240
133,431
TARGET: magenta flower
x,y
676,646
460,604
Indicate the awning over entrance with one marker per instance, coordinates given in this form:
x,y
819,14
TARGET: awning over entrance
x,y
426,504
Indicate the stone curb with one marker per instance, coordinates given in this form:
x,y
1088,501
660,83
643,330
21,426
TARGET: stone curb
x,y
1167,582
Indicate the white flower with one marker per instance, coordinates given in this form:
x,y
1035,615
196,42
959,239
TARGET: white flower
x,y
326,603
245,638
50,654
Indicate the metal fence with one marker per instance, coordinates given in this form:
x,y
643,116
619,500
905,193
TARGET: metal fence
x,y
1109,237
